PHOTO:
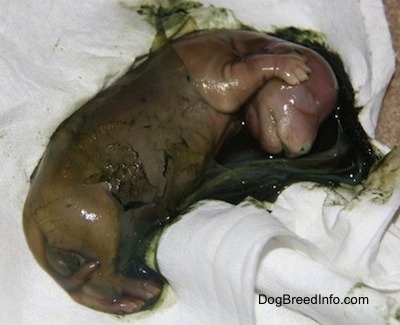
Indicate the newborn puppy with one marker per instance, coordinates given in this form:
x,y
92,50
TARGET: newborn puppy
x,y
123,161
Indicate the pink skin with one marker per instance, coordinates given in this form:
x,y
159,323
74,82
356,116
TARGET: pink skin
x,y
288,89
130,155
286,117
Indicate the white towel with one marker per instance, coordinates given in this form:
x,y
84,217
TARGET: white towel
x,y
226,264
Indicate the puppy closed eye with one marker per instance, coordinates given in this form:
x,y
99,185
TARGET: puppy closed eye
x,y
64,262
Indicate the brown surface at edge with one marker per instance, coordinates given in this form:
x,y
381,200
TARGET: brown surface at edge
x,y
388,128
